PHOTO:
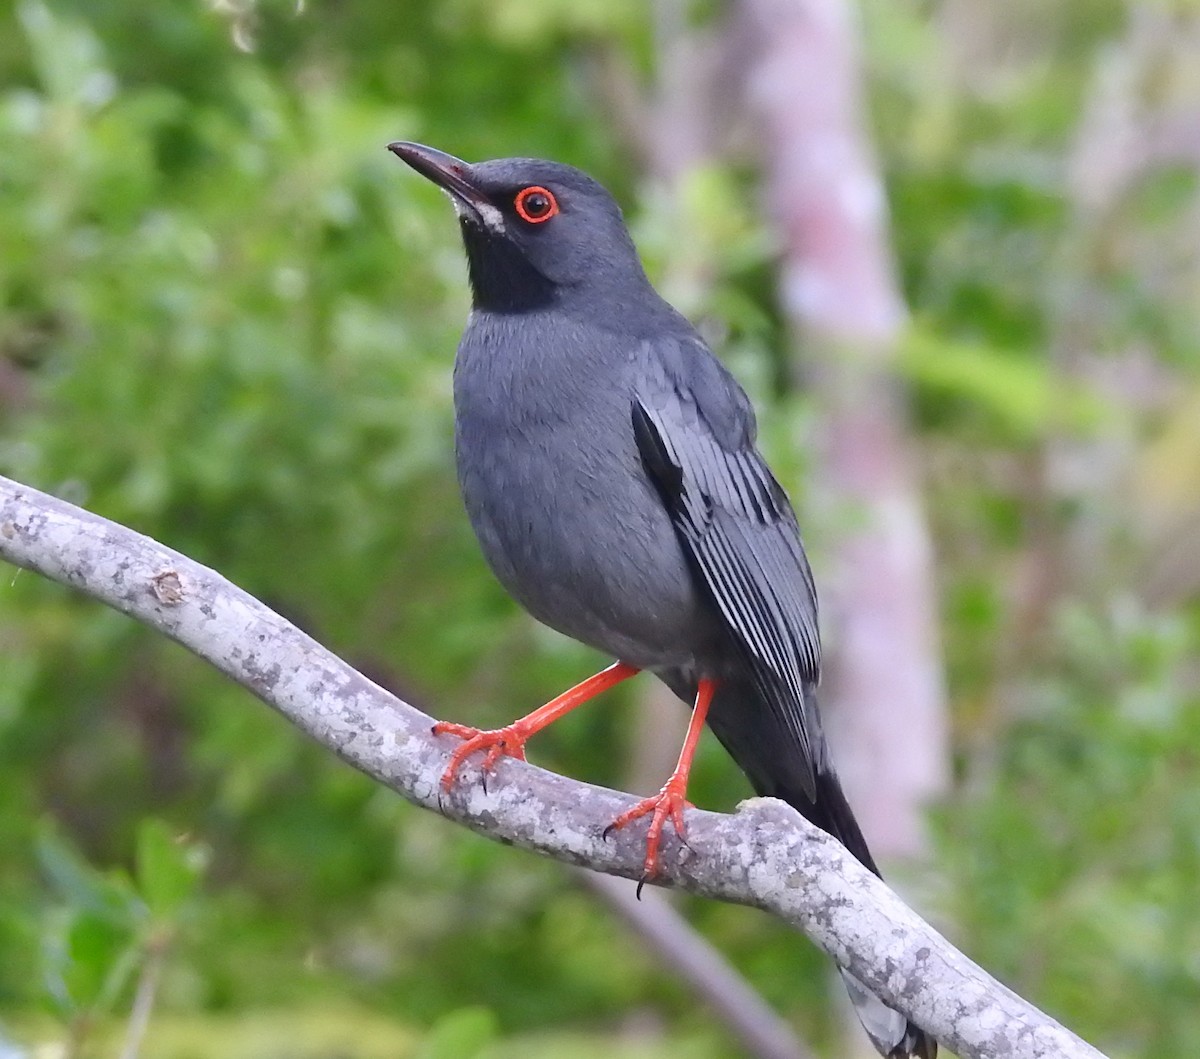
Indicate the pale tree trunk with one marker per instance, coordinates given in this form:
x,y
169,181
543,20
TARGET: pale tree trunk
x,y
888,712
883,690
1142,116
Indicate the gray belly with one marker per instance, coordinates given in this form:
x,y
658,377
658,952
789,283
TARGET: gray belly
x,y
575,532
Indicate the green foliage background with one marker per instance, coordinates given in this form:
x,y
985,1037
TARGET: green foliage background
x,y
227,318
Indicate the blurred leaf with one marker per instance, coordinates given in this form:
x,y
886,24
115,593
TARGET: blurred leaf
x,y
462,1034
1021,392
106,898
67,56
169,868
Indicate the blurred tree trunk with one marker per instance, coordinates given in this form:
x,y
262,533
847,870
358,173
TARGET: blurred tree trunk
x,y
883,687
1141,120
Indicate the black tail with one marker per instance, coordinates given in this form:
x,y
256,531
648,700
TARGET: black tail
x,y
832,813
767,753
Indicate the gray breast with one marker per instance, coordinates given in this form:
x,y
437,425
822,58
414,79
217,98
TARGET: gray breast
x,y
565,515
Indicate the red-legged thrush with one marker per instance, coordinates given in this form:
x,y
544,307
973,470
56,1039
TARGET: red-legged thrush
x,y
608,465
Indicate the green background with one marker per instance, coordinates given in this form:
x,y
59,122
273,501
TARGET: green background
x,y
227,318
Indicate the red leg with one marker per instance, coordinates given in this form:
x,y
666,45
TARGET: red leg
x,y
510,740
671,801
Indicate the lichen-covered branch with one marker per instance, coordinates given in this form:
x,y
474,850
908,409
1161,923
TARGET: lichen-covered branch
x,y
765,855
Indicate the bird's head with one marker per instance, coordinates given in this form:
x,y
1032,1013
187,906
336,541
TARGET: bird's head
x,y
535,232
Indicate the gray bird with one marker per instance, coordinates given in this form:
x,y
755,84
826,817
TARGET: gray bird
x,y
608,465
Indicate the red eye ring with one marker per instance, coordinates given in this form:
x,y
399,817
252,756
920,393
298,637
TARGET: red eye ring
x,y
535,204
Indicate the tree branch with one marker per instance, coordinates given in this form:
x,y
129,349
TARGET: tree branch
x,y
765,855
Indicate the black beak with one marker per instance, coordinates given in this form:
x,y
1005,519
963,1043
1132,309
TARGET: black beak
x,y
448,172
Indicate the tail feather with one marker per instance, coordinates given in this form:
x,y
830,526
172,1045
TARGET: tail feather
x,y
893,1035
832,813
764,752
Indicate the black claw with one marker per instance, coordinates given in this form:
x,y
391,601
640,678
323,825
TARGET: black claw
x,y
607,831
483,781
638,892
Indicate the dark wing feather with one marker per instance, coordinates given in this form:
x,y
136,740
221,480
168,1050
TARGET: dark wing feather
x,y
695,432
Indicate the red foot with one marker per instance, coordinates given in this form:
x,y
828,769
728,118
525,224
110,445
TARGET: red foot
x,y
667,803
671,801
510,740
500,742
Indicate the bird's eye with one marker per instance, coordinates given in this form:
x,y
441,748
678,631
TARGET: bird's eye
x,y
535,204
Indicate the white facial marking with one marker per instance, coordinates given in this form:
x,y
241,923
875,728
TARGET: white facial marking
x,y
491,217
